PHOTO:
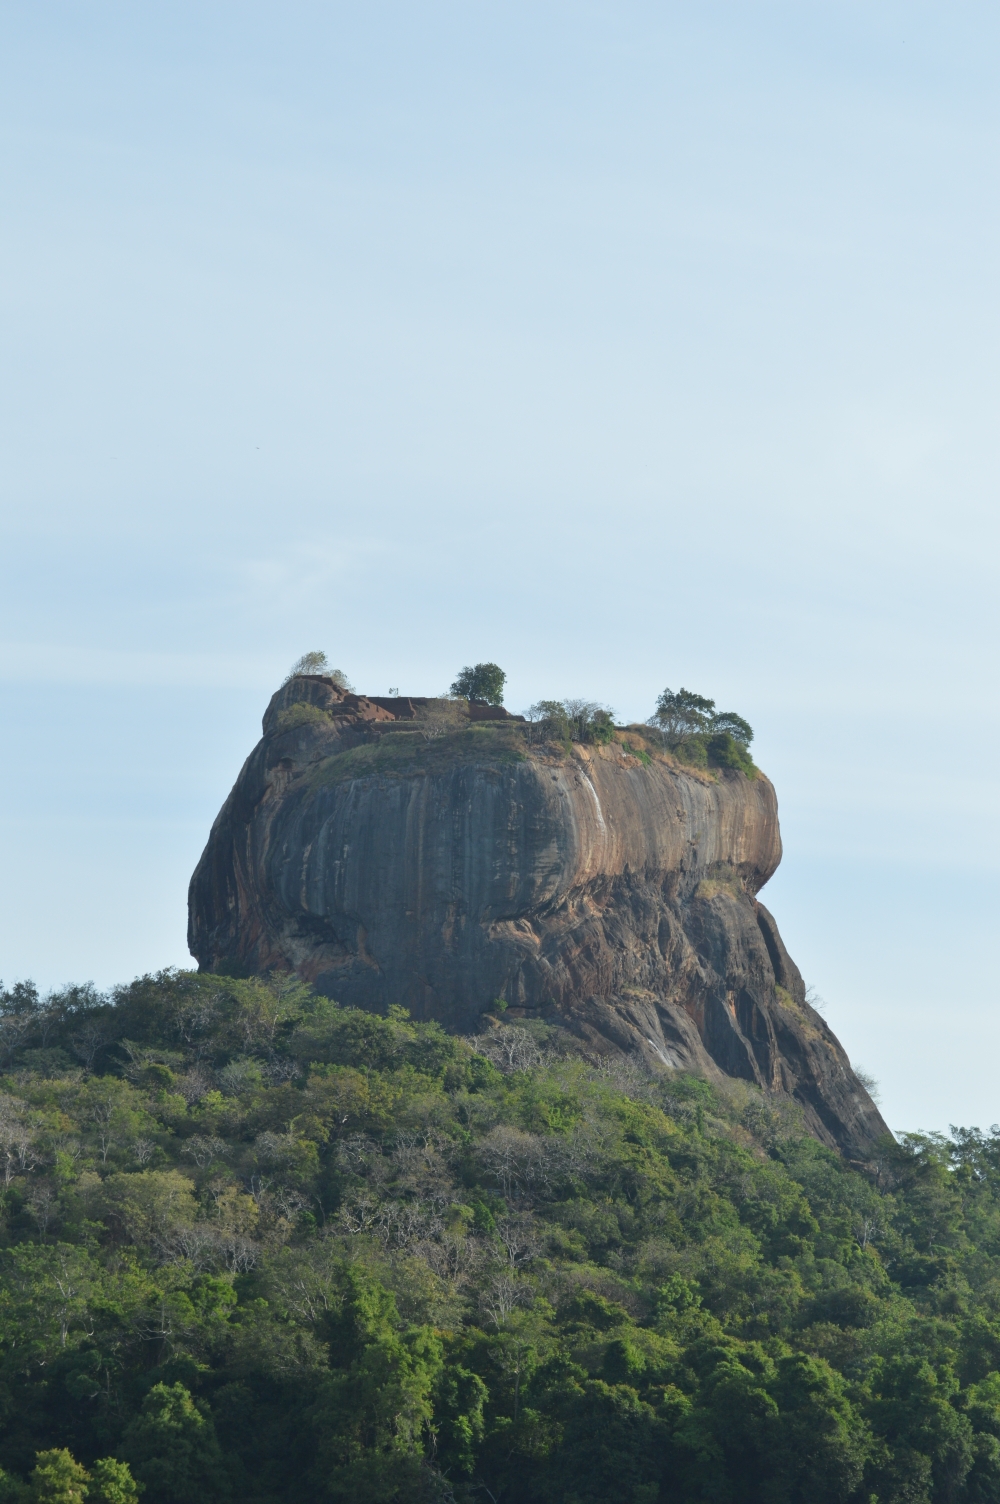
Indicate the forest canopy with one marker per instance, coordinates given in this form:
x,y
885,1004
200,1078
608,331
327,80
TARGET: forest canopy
x,y
257,1246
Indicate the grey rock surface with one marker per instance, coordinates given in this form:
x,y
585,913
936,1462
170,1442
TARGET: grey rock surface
x,y
414,852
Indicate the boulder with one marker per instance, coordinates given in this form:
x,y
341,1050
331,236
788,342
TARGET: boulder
x,y
410,851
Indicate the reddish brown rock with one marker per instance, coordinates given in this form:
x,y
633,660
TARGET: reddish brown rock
x,y
394,851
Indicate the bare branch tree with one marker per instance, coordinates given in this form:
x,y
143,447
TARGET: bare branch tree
x,y
507,1047
517,1161
516,1242
14,1029
204,1150
88,1041
439,717
500,1298
43,1204
18,1153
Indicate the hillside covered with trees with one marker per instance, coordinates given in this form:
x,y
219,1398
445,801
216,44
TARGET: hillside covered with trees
x,y
256,1246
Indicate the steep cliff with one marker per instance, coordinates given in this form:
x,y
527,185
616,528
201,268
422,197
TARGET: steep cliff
x,y
399,851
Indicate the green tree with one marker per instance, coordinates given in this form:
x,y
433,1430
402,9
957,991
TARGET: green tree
x,y
111,1482
728,723
724,751
45,1299
115,1116
58,1479
612,1444
683,713
374,1420
483,681
12,1490
459,1398
374,1417
914,1412
690,724
148,1205
22,997
729,1434
173,1451
551,719
823,1443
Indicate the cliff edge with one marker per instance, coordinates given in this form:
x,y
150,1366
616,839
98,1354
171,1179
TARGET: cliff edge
x,y
414,852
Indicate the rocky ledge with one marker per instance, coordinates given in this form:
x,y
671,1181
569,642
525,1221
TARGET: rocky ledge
x,y
410,851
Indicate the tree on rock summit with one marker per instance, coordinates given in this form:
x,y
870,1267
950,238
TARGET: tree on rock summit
x,y
485,681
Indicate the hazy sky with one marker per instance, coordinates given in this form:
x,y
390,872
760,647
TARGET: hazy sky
x,y
628,345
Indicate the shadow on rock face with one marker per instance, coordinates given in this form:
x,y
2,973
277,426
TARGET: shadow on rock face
x,y
418,852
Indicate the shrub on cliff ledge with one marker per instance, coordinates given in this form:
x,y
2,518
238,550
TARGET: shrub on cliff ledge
x,y
590,722
717,751
301,714
725,751
571,721
700,735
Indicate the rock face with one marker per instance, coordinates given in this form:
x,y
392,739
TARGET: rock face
x,y
403,851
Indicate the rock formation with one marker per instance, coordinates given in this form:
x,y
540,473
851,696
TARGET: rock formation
x,y
424,853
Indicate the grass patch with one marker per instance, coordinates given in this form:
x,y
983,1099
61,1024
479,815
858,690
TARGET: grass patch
x,y
300,714
787,1001
721,880
401,753
639,752
718,751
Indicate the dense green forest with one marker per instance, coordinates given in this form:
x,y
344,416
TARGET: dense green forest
x,y
256,1246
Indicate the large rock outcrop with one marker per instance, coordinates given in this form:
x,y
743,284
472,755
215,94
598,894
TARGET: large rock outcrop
x,y
404,851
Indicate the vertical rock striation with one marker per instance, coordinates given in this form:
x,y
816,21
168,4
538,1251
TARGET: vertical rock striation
x,y
402,851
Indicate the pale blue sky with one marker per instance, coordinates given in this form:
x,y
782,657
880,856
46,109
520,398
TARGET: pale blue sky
x,y
625,344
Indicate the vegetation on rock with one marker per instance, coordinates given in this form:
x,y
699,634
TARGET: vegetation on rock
x,y
689,727
258,1246
697,733
571,721
482,681
318,663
